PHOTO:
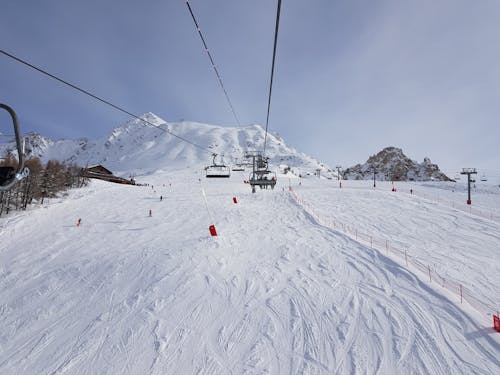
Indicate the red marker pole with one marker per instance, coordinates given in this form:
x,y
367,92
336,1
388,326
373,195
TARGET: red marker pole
x,y
496,323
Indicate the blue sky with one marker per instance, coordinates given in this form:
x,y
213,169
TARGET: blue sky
x,y
351,76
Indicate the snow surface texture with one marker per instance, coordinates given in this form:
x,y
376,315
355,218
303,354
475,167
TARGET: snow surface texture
x,y
138,147
391,164
275,293
417,240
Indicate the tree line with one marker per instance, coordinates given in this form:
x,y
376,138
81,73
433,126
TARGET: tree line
x,y
43,182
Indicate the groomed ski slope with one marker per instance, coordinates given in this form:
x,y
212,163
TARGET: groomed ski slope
x,y
275,293
458,246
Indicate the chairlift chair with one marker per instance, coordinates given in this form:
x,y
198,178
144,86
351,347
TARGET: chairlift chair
x,y
217,170
261,175
10,175
238,167
263,179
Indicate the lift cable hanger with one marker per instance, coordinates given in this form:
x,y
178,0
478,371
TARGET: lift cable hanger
x,y
261,175
213,63
121,109
272,72
8,174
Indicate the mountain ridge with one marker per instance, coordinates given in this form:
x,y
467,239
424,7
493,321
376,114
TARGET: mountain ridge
x,y
143,146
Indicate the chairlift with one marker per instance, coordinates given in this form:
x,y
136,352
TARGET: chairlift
x,y
261,175
10,175
238,167
217,170
483,178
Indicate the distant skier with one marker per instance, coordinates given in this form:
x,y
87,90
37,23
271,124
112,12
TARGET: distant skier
x,y
150,213
161,198
411,191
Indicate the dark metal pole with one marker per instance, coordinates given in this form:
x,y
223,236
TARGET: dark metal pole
x,y
468,172
468,188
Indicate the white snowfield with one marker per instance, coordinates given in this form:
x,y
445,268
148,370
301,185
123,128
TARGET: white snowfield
x,y
274,293
457,246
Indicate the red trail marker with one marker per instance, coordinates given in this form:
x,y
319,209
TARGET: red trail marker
x,y
496,323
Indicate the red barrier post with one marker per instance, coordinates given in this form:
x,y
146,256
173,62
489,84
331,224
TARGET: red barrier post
x,y
496,323
235,200
213,231
78,222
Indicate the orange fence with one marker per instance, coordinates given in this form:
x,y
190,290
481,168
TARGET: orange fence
x,y
389,248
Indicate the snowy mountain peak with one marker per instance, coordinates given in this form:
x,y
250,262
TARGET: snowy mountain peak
x,y
147,144
392,164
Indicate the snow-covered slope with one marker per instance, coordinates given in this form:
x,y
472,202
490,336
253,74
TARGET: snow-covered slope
x,y
276,293
392,164
138,147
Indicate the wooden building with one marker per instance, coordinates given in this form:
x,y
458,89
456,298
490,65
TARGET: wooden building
x,y
101,173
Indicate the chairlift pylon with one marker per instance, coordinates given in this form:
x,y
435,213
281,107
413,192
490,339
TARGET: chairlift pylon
x,y
10,175
217,170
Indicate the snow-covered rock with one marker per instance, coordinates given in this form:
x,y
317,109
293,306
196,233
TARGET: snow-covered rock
x,y
392,164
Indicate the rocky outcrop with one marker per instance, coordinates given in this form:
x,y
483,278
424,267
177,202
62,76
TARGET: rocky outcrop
x,y
391,164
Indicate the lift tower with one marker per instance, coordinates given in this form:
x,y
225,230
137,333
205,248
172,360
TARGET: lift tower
x,y
468,172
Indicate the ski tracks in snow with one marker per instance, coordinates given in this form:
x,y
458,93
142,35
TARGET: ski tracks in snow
x,y
274,294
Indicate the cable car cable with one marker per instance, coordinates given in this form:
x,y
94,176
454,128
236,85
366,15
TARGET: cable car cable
x,y
213,63
102,100
272,72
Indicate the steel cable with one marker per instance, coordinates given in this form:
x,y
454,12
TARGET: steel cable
x,y
88,93
272,72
